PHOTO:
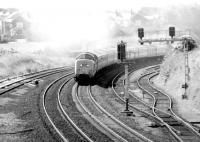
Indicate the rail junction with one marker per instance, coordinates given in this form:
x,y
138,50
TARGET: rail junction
x,y
70,111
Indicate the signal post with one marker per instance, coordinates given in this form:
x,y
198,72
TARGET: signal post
x,y
185,41
121,52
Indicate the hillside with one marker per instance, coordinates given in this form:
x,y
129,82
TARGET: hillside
x,y
21,58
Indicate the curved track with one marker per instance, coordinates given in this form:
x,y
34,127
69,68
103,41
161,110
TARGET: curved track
x,y
54,123
8,86
142,107
69,124
89,107
66,130
161,105
116,128
65,118
14,84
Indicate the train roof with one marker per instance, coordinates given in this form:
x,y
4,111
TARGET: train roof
x,y
94,56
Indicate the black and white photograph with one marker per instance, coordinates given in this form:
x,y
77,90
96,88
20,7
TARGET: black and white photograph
x,y
99,71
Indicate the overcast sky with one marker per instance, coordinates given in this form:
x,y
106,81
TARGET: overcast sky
x,y
64,20
91,4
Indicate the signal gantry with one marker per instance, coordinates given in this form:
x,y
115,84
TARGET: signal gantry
x,y
188,43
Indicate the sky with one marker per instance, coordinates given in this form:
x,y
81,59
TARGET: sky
x,y
69,20
91,4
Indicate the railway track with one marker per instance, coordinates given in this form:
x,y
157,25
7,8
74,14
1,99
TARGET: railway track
x,y
64,116
99,114
82,130
185,135
144,110
161,107
68,117
85,102
49,104
68,123
8,86
31,74
113,126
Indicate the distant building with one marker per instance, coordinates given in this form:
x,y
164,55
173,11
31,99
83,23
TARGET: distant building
x,y
12,25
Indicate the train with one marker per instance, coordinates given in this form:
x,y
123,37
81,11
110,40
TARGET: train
x,y
86,65
190,44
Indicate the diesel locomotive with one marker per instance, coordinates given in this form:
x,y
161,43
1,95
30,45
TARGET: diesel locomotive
x,y
86,66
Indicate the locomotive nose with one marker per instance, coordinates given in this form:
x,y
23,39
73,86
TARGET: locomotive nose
x,y
84,67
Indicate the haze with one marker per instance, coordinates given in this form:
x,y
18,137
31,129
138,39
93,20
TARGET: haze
x,y
83,20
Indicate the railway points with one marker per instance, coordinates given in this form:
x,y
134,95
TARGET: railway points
x,y
166,108
93,113
126,84
188,44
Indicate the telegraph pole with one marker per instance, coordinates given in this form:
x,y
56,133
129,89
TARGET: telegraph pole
x,y
186,63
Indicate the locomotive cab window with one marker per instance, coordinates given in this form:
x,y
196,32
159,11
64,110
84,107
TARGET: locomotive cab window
x,y
88,56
